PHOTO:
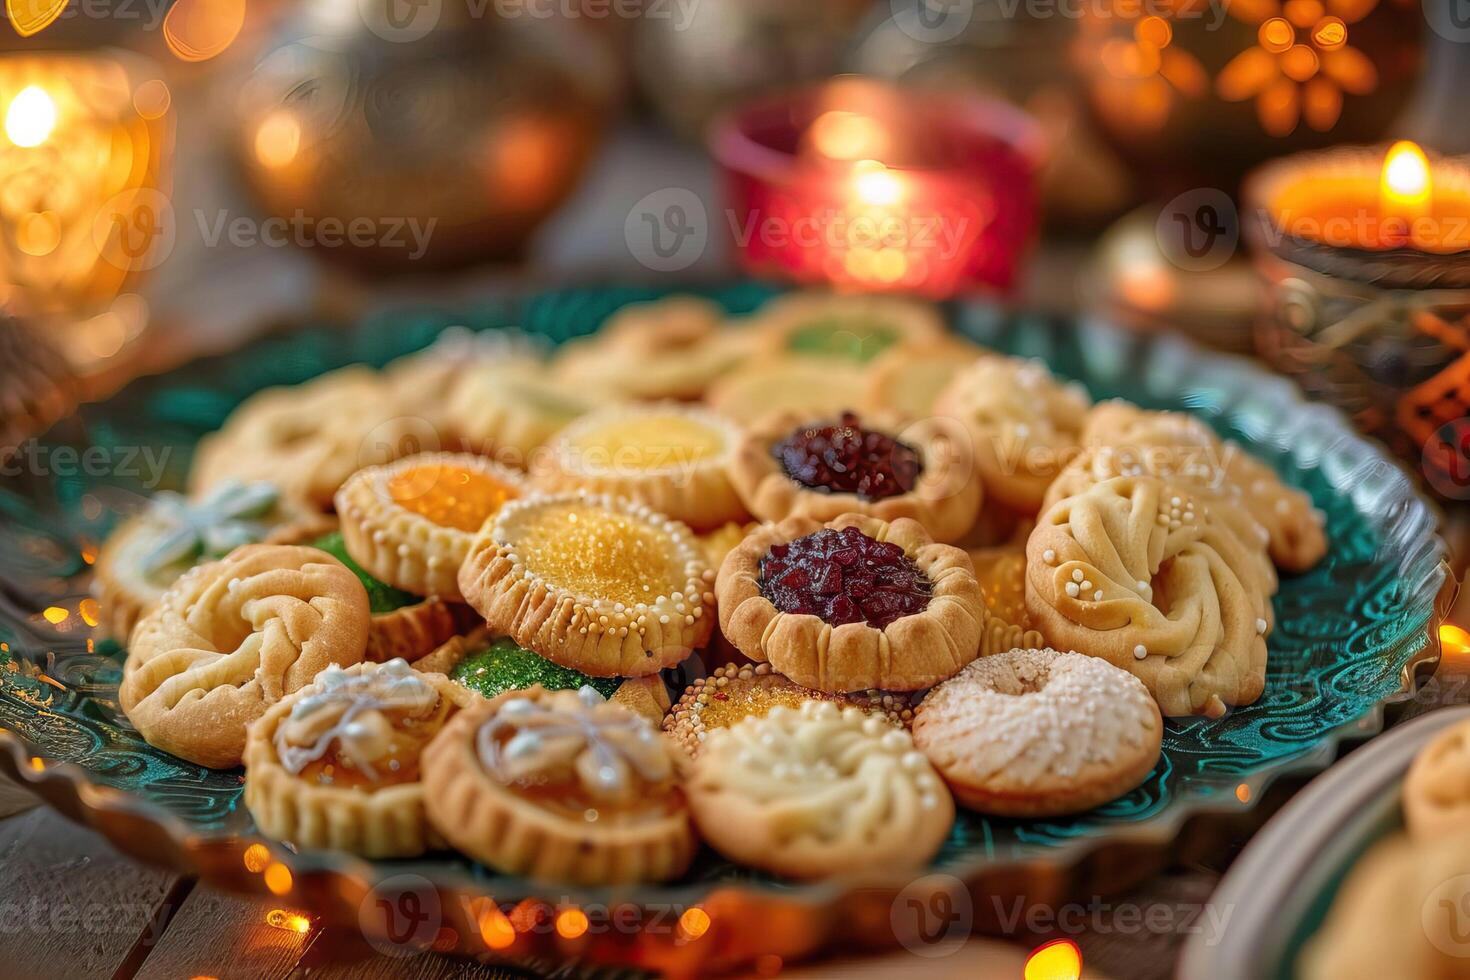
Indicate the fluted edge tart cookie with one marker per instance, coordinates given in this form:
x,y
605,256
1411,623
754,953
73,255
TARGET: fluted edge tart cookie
x,y
790,465
674,458
853,604
600,584
854,328
1036,733
410,523
233,637
560,786
819,791
336,764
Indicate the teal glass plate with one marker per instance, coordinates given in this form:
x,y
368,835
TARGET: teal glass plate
x,y
1351,636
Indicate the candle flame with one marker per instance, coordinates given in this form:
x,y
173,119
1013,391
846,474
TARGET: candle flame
x,y
31,116
1453,640
877,185
1405,183
1059,959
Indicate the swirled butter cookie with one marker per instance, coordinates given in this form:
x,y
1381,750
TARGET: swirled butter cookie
x,y
233,637
789,464
561,786
410,523
1036,733
817,791
596,583
1143,574
336,764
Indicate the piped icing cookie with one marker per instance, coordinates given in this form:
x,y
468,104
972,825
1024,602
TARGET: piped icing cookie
x,y
818,791
149,551
308,438
1025,425
510,410
674,458
231,638
793,465
813,387
410,523
670,348
851,605
1141,573
560,786
1037,733
401,624
854,328
596,583
490,665
336,764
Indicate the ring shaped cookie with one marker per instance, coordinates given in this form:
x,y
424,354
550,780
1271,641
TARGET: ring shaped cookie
x,y
336,764
1025,425
923,596
596,583
410,523
1142,574
1036,733
231,638
937,487
672,457
561,786
819,791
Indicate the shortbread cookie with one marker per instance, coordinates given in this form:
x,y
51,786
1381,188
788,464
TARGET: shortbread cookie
x,y
402,624
1026,425
1121,439
854,328
560,786
1001,573
906,380
336,764
1036,733
1436,794
794,465
670,348
813,387
149,551
509,411
410,523
853,604
819,791
674,458
599,584
233,637
424,382
490,665
308,438
1142,574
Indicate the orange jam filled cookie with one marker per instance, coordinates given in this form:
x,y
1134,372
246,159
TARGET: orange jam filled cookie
x,y
561,786
790,465
818,791
410,523
672,457
233,637
852,605
337,763
596,583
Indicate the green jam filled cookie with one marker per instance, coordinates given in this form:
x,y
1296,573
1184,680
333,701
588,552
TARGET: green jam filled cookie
x,y
851,339
382,598
506,666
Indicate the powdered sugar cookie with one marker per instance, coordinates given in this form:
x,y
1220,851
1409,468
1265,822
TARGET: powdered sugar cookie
x,y
1036,733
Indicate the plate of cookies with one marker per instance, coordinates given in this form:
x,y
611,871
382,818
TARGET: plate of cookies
x,y
761,609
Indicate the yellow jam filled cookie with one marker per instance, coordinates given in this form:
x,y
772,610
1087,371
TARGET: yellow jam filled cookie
x,y
671,457
337,763
230,639
410,523
820,467
560,786
600,584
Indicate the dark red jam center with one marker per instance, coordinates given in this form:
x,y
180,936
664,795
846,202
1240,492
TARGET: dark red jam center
x,y
844,577
843,457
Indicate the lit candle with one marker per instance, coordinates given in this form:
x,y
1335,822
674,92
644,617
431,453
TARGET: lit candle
x,y
861,185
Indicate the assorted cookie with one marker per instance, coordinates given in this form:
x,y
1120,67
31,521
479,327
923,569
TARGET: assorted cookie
x,y
457,615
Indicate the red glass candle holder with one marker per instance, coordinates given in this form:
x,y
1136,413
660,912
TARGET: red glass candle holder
x,y
861,185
